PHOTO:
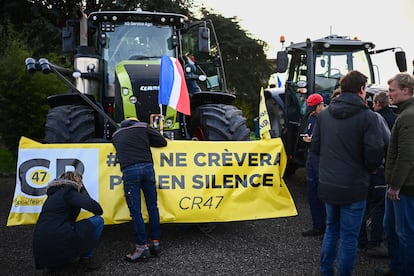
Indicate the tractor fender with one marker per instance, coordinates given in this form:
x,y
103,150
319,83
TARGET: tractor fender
x,y
275,108
276,94
208,97
68,99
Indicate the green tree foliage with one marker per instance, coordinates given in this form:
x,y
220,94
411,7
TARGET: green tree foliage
x,y
245,62
43,20
22,95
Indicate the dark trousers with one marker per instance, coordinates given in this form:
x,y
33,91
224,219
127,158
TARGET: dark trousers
x,y
317,207
375,211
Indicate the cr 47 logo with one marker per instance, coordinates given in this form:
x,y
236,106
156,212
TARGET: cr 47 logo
x,y
34,174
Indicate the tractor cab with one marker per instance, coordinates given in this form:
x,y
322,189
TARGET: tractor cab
x,y
316,67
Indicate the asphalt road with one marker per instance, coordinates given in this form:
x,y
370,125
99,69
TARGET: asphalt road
x,y
261,247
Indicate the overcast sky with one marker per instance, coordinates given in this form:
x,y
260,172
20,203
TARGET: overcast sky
x,y
387,23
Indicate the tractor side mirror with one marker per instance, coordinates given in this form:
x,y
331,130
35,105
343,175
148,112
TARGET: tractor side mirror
x,y
204,40
401,61
281,62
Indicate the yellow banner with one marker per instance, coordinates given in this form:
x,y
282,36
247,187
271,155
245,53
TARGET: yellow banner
x,y
264,121
197,181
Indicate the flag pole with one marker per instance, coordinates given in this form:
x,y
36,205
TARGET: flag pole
x,y
161,120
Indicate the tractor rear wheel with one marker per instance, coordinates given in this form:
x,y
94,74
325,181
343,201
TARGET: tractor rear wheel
x,y
219,122
70,124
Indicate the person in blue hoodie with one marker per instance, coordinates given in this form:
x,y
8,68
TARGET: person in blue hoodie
x,y
347,136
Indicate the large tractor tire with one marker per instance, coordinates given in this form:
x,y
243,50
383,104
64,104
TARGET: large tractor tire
x,y
70,124
219,122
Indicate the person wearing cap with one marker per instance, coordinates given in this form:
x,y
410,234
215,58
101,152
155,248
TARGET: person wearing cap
x,y
133,142
348,139
314,104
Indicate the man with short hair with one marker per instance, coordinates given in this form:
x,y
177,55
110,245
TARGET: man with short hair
x,y
399,175
381,104
347,137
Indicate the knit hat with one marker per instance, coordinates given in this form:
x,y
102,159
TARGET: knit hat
x,y
129,122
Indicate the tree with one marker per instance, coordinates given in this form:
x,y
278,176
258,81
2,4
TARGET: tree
x,y
42,20
247,69
22,96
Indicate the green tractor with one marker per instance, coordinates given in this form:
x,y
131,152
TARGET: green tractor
x,y
315,66
117,57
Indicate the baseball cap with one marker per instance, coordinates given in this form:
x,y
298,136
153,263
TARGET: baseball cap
x,y
314,100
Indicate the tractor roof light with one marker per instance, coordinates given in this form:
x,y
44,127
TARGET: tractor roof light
x,y
326,45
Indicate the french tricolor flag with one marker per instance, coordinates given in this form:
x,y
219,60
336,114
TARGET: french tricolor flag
x,y
173,88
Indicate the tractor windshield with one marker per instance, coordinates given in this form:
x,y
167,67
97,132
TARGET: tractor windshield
x,y
330,66
136,41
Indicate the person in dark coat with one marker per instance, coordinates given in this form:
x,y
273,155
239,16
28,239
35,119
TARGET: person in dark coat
x,y
59,239
347,136
317,207
381,104
371,239
133,142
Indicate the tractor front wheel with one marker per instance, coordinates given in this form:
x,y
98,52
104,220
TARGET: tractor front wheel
x,y
219,122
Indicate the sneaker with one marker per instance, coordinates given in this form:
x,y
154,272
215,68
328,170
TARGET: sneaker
x,y
377,251
88,264
140,253
313,232
154,248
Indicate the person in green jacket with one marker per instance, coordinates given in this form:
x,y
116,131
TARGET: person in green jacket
x,y
399,175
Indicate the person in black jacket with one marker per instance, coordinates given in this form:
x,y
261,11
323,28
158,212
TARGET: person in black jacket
x,y
133,142
59,239
347,137
381,104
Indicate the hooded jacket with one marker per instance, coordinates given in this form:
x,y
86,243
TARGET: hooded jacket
x,y
399,167
58,239
349,140
133,141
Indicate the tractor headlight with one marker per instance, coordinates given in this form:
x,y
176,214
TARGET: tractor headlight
x,y
125,91
168,123
133,99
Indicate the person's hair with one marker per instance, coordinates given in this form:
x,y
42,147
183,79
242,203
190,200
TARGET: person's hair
x,y
404,80
353,81
382,99
72,175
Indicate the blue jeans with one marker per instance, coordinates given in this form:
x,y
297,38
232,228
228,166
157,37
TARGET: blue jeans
x,y
399,229
136,178
317,207
343,224
98,224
